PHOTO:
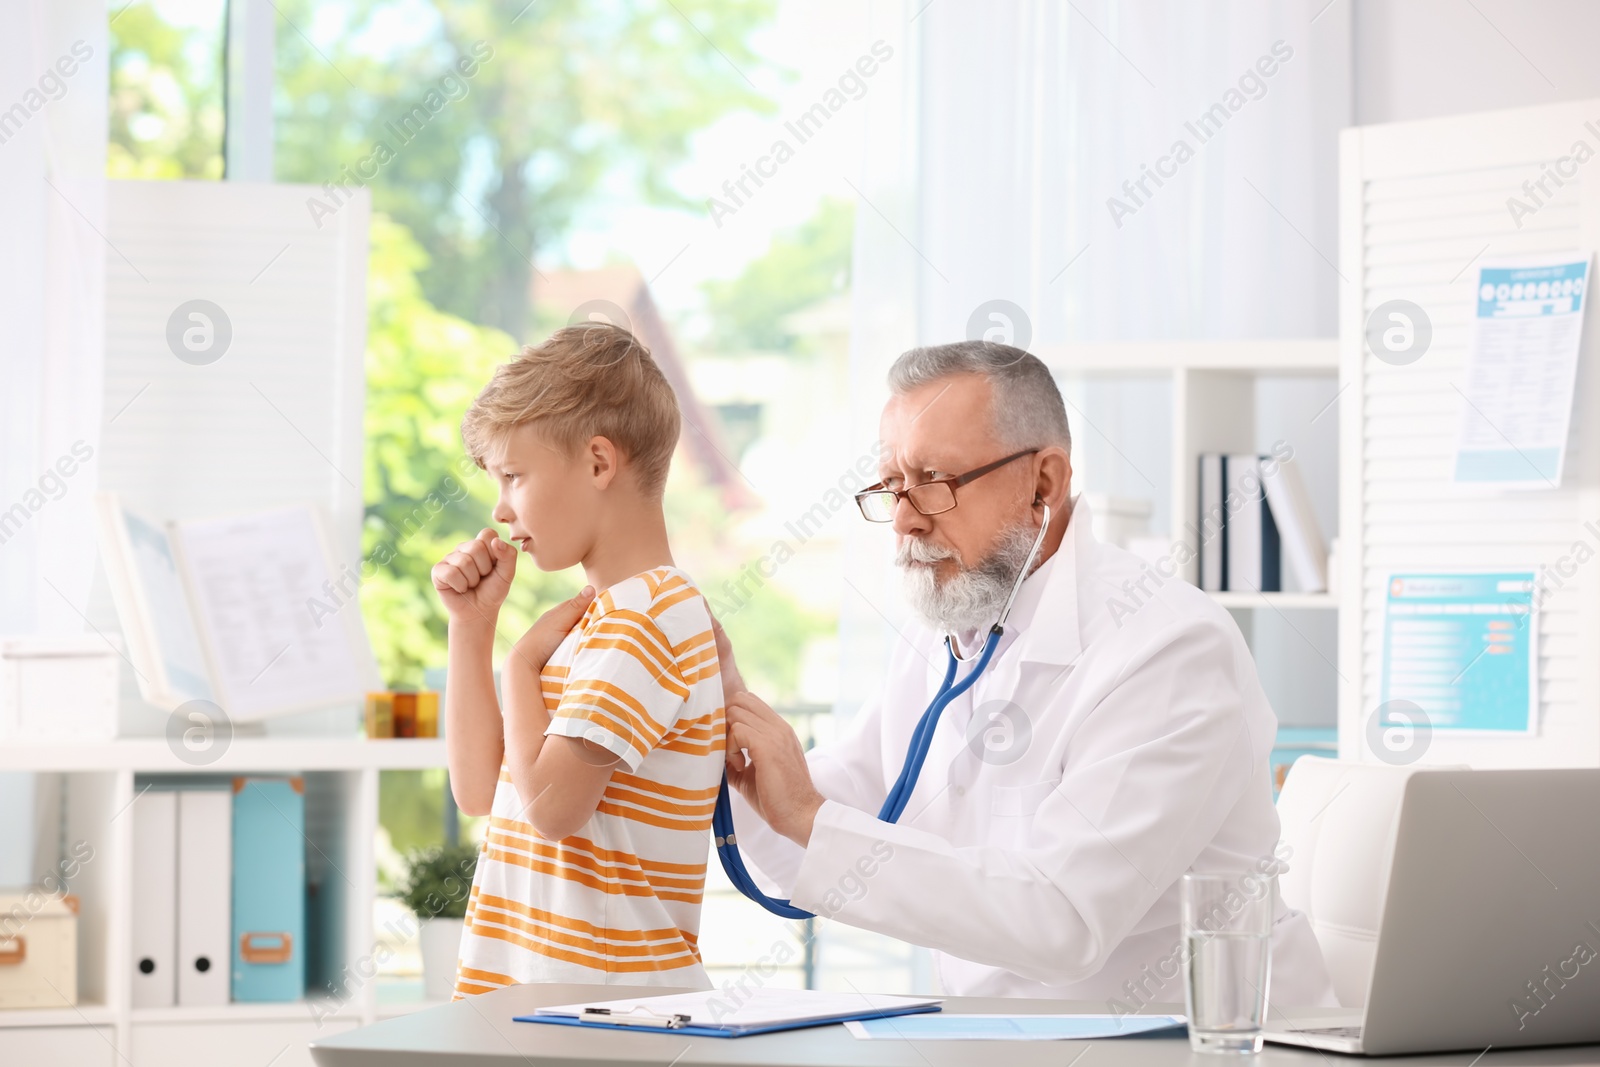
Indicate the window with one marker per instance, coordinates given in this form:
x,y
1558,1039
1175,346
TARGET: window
x,y
167,97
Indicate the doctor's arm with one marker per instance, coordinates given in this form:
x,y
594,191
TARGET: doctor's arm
x,y
1150,776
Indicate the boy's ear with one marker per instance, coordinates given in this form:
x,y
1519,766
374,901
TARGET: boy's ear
x,y
603,459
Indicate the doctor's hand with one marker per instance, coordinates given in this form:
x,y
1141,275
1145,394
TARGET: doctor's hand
x,y
732,680
767,765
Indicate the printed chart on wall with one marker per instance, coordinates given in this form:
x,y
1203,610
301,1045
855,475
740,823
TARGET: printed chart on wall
x,y
1527,320
1462,648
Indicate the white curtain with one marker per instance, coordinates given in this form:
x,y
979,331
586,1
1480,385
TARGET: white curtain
x,y
53,95
989,173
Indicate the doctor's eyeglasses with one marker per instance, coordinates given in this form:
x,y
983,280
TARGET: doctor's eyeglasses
x,y
877,503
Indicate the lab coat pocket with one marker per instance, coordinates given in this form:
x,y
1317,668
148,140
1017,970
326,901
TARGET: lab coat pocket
x,y
1020,801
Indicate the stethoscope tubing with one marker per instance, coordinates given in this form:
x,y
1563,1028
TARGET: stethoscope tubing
x,y
899,795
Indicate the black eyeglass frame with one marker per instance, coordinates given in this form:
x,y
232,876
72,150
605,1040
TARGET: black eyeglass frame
x,y
954,482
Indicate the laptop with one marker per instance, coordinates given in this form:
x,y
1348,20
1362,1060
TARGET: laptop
x,y
1491,929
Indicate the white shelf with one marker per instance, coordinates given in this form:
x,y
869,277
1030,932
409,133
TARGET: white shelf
x,y
293,1010
82,1015
151,755
1280,601
1287,356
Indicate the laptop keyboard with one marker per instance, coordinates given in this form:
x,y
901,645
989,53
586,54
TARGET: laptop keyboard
x,y
1329,1031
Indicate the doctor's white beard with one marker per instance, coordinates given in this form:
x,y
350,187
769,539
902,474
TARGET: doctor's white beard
x,y
972,599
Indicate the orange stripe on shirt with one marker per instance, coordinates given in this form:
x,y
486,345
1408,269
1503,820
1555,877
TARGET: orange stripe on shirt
x,y
608,807
660,582
664,676
662,603
636,624
614,888
605,855
683,809
690,748
702,728
622,874
640,942
597,962
703,674
552,938
487,977
633,781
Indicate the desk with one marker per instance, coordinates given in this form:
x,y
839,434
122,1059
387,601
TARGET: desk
x,y
479,1032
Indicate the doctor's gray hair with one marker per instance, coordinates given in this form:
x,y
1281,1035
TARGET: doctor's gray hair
x,y
1028,411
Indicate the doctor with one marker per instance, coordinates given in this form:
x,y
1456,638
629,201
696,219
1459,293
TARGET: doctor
x,y
1105,750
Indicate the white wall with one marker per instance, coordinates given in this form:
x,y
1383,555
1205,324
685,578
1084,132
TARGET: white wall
x,y
53,96
1419,59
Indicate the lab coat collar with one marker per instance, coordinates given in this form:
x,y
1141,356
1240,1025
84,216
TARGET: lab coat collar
x,y
1045,616
1044,627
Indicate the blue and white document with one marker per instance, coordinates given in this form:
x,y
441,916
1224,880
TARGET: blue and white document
x,y
959,1027
1527,320
1462,648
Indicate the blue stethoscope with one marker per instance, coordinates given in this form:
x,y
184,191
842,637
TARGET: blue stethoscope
x,y
916,754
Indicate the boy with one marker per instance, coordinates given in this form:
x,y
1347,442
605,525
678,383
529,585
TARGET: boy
x,y
600,771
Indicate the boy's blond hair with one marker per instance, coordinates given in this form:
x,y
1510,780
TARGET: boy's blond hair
x,y
589,380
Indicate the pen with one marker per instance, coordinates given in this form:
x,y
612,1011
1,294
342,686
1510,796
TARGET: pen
x,y
628,1018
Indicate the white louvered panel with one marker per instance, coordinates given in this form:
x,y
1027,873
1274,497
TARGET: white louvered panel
x,y
1421,204
279,418
1433,186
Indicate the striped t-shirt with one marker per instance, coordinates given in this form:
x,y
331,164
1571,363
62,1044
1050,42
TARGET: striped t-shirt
x,y
618,901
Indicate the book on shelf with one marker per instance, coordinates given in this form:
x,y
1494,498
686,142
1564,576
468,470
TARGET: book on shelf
x,y
1212,560
1305,553
1249,534
1255,521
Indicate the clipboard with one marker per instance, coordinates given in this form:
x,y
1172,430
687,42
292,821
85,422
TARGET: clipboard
x,y
730,1014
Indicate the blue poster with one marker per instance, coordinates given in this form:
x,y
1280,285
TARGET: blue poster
x,y
1462,649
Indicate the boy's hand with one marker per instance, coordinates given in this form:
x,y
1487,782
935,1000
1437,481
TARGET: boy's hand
x,y
535,647
473,580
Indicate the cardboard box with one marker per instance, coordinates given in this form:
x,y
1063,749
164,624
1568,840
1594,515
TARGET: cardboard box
x,y
38,950
58,688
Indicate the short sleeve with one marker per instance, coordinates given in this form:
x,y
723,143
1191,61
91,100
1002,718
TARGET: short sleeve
x,y
624,689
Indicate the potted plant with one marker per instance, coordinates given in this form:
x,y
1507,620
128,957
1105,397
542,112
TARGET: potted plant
x,y
437,884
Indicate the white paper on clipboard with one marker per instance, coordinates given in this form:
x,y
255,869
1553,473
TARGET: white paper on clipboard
x,y
279,635
1522,366
244,611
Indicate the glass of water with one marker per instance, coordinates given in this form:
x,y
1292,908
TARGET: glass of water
x,y
1227,929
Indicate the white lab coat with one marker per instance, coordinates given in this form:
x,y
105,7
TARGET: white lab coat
x,y
1126,746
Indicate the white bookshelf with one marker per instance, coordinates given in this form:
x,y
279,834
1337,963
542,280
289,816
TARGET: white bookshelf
x,y
1278,601
261,754
99,782
277,422
1213,390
